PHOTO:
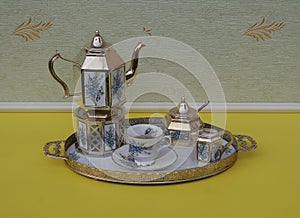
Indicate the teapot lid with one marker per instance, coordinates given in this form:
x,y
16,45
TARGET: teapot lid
x,y
183,110
100,55
97,44
97,41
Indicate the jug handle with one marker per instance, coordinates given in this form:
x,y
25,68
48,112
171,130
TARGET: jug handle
x,y
228,135
56,77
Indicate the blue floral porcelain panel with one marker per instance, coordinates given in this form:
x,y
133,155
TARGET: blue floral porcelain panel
x,y
82,135
203,152
117,86
110,137
94,88
179,134
215,151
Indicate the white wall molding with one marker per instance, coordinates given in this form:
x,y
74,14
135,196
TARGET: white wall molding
x,y
148,106
35,106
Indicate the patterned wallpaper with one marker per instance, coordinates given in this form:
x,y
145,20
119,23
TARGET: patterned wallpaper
x,y
253,46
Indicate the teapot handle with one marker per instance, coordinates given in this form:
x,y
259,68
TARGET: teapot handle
x,y
56,77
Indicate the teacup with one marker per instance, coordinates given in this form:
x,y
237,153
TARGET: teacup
x,y
145,142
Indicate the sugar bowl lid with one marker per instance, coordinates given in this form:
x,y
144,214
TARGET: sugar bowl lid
x,y
184,111
183,117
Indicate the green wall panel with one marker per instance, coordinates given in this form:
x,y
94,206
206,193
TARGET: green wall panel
x,y
261,69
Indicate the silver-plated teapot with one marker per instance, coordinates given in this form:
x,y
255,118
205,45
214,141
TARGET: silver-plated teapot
x,y
98,111
103,75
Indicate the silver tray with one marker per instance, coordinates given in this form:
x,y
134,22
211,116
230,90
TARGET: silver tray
x,y
186,168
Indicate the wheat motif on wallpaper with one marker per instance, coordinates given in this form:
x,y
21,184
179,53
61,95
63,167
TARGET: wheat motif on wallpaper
x,y
260,31
29,31
147,31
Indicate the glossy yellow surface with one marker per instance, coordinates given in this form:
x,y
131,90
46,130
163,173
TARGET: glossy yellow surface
x,y
262,183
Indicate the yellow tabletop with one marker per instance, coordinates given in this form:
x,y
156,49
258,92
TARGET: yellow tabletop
x,y
262,183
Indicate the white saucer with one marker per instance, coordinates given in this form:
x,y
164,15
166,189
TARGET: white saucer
x,y
165,159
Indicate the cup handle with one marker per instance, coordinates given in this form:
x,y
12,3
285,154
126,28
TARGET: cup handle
x,y
165,145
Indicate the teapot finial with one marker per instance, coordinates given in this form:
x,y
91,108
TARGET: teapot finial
x,y
97,41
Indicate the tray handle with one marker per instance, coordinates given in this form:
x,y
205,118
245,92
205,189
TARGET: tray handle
x,y
245,143
53,149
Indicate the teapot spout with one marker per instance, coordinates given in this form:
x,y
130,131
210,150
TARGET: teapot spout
x,y
133,69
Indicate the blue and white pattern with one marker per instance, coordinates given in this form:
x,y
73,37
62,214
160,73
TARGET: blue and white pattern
x,y
228,151
150,132
136,150
110,137
129,160
179,134
133,152
74,155
82,135
117,86
215,151
203,152
94,89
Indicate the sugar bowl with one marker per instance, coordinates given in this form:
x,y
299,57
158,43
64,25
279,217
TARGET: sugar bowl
x,y
183,123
